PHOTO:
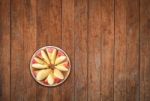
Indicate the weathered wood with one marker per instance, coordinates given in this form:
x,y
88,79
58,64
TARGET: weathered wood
x,y
17,50
107,30
120,51
81,8
43,25
5,50
29,37
132,69
144,50
68,46
94,50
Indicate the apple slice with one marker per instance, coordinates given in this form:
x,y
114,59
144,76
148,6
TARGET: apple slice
x,y
60,54
66,64
57,80
39,66
60,60
48,53
38,60
53,56
42,74
61,68
45,56
50,79
34,61
58,74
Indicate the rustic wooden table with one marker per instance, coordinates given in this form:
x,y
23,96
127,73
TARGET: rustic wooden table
x,y
108,42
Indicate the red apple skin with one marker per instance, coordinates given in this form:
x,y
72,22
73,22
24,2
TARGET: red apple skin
x,y
50,50
33,61
39,54
60,54
57,80
45,81
66,65
35,73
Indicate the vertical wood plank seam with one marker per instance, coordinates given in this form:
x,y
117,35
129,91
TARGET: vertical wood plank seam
x,y
36,40
61,41
126,51
87,45
100,47
139,60
114,52
74,46
10,45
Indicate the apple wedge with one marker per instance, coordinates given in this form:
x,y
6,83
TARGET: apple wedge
x,y
50,79
60,60
53,56
38,60
58,74
42,74
48,53
39,66
61,68
45,56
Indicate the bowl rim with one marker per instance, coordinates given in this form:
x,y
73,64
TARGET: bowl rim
x,y
67,75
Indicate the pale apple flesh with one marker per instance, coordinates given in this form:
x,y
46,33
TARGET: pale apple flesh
x,y
39,66
42,74
60,60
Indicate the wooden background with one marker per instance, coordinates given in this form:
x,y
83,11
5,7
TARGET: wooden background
x,y
108,42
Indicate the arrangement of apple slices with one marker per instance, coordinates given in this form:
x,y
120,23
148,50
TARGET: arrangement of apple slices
x,y
50,66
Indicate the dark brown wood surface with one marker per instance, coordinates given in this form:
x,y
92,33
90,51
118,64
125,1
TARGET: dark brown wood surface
x,y
108,42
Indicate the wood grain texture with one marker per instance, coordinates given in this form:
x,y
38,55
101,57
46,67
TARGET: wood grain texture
x,y
43,24
94,50
132,69
144,50
68,46
5,50
107,71
81,50
17,50
29,30
120,51
108,42
55,38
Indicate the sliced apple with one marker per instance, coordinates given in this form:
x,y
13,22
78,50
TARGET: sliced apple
x,y
45,56
57,80
61,68
48,53
42,74
39,66
50,79
38,60
60,59
58,74
66,64
60,54
53,56
34,61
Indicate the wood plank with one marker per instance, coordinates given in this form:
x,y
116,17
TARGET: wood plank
x,y
81,10
132,23
17,51
107,28
43,24
144,50
55,38
120,51
94,50
29,47
68,46
5,50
